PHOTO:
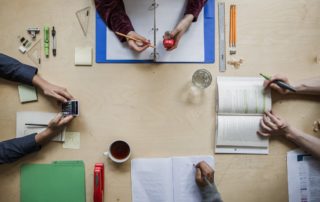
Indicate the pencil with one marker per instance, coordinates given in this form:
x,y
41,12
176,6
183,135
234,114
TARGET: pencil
x,y
234,25
232,34
207,181
36,124
134,39
281,84
231,28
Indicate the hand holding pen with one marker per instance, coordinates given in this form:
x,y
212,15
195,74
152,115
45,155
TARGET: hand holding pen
x,y
278,83
204,175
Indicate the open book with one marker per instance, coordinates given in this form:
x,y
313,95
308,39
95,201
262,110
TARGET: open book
x,y
240,106
166,179
151,19
29,122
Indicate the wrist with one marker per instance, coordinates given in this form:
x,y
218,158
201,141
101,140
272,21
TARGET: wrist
x,y
291,133
38,81
42,137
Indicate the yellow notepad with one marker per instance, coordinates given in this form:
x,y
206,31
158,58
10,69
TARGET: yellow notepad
x,y
83,56
27,93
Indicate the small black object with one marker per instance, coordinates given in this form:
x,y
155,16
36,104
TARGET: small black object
x,y
70,108
22,39
25,43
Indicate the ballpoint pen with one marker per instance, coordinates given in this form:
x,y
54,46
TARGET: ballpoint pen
x,y
280,83
54,42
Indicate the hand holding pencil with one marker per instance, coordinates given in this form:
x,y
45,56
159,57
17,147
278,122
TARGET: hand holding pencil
x,y
135,41
204,174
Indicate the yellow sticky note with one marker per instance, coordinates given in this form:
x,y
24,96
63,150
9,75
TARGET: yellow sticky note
x,y
71,140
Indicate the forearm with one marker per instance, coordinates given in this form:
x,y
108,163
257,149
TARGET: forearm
x,y
45,136
14,70
12,150
194,8
39,82
308,86
114,15
307,142
210,194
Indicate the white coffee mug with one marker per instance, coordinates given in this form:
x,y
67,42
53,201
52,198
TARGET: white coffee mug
x,y
119,151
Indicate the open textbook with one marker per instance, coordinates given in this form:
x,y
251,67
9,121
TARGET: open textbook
x,y
29,122
240,106
166,179
151,19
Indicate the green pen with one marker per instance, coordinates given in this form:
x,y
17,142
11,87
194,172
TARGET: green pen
x,y
46,40
280,83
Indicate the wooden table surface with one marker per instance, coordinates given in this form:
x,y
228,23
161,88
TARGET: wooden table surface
x,y
149,106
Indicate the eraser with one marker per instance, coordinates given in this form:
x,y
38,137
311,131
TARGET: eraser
x,y
22,49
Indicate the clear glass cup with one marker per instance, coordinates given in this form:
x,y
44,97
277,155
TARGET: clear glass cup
x,y
201,78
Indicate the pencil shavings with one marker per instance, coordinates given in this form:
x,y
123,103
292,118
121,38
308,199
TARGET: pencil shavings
x,y
236,63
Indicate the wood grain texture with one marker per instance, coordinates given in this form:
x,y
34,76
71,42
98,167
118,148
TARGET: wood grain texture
x,y
149,105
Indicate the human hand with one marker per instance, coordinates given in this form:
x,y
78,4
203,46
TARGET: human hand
x,y
180,29
204,171
272,125
51,90
57,124
270,83
138,46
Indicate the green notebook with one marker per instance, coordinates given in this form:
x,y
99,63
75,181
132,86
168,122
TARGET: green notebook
x,y
61,181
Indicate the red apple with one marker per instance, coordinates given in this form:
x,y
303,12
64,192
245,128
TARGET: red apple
x,y
168,43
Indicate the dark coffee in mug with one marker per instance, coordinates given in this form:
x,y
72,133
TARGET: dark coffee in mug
x,y
119,149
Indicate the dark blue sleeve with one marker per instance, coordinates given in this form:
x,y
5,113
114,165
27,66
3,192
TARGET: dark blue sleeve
x,y
14,70
12,150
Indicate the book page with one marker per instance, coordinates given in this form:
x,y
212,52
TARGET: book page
x,y
152,180
242,95
184,185
191,45
239,131
141,15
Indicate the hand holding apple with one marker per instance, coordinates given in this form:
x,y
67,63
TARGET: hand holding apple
x,y
168,40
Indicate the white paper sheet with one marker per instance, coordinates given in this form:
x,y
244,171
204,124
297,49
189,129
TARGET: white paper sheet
x,y
185,187
152,180
35,118
191,45
142,19
166,179
303,177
